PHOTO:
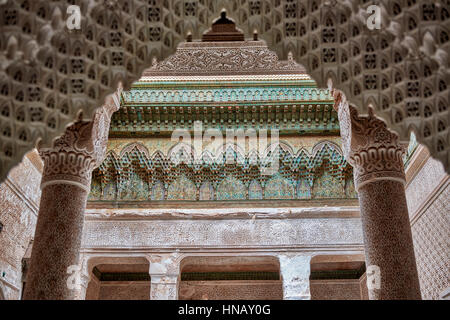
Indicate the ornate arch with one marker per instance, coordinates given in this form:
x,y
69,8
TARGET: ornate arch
x,y
281,146
34,36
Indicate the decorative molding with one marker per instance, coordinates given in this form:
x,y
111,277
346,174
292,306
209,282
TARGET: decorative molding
x,y
161,107
269,92
273,210
234,251
231,275
232,80
224,58
72,159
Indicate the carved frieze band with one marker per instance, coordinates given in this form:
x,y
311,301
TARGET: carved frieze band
x,y
246,57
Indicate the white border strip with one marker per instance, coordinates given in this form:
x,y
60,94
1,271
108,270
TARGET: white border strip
x,y
69,182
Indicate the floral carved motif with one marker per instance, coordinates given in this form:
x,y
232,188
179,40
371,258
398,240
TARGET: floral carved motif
x,y
374,152
247,57
71,159
79,150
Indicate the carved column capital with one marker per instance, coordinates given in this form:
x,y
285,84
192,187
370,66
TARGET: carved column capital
x,y
71,160
368,145
80,149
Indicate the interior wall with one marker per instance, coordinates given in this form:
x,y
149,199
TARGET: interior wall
x,y
93,289
2,296
428,197
342,289
215,288
19,202
124,290
231,290
338,277
118,279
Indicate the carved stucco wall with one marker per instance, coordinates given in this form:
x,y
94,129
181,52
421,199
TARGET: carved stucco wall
x,y
124,290
49,73
428,194
300,232
19,203
230,233
231,290
161,169
335,290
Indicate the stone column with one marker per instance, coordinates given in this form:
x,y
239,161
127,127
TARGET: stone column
x,y
377,159
65,186
164,273
295,271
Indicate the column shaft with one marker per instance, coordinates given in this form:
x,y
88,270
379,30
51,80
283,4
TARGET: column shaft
x,y
377,160
388,240
57,242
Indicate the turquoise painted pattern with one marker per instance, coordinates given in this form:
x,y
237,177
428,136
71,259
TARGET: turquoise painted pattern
x,y
138,176
231,189
217,95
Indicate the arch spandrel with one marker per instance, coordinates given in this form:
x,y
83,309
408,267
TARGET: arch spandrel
x,y
35,39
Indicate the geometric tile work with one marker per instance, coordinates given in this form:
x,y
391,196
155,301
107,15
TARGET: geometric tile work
x,y
431,245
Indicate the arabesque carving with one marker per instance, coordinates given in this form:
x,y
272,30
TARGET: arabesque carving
x,y
79,150
374,152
